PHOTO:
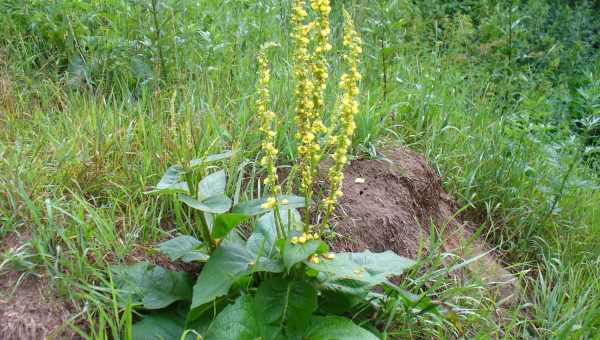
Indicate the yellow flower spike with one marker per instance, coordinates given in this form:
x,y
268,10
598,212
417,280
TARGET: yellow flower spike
x,y
311,73
314,259
267,118
315,236
294,240
309,237
302,239
345,114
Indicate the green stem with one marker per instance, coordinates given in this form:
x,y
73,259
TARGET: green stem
x,y
306,211
205,232
279,223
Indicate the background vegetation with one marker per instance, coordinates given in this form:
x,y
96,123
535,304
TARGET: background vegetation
x,y
97,97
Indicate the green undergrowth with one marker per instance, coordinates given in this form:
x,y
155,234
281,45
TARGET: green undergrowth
x,y
502,98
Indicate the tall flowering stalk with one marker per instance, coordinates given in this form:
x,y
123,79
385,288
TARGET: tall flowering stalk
x,y
345,119
311,44
266,127
306,136
311,74
319,65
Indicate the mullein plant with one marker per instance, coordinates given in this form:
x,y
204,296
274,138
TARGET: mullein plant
x,y
311,73
271,282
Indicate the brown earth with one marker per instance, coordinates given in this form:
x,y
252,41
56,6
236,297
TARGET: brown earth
x,y
28,309
399,204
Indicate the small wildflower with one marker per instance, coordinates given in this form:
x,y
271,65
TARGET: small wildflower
x,y
294,240
302,239
329,256
309,236
270,203
314,259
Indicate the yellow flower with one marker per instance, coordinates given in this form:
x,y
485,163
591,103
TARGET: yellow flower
x,y
302,239
269,204
329,256
294,240
314,259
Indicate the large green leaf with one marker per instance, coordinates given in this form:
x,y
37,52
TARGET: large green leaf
x,y
167,324
281,302
224,223
262,240
152,286
294,253
210,158
172,181
185,248
367,267
236,321
341,296
229,262
336,328
215,204
254,207
212,185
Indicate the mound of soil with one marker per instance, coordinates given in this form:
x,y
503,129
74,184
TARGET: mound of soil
x,y
395,203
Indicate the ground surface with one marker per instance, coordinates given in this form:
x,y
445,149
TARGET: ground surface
x,y
28,307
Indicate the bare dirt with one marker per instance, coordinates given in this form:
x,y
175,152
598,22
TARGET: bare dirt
x,y
28,309
396,203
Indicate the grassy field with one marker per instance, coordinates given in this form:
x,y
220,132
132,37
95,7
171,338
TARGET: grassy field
x,y
98,98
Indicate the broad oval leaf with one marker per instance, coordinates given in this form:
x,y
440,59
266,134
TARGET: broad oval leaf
x,y
280,301
262,240
215,204
229,262
367,267
185,248
152,286
236,321
334,328
294,253
210,158
172,182
212,185
254,207
166,324
224,223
